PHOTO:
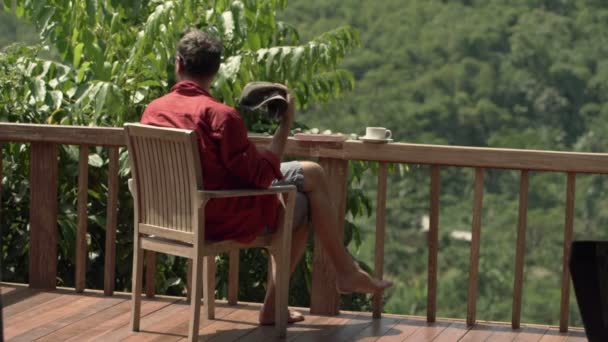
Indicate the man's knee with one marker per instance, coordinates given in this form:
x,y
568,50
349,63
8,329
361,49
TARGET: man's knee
x,y
314,175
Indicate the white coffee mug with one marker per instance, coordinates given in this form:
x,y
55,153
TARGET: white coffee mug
x,y
379,133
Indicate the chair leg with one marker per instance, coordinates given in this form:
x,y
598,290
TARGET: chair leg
x,y
209,286
280,272
233,277
189,280
195,298
138,268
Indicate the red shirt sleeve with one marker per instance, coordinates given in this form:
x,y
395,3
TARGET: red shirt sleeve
x,y
241,157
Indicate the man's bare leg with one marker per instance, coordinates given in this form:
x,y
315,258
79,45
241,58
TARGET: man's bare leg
x,y
298,246
349,277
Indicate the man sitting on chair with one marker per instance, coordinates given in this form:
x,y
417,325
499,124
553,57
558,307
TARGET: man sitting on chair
x,y
230,161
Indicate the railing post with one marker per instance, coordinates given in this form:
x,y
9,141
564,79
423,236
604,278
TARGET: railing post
x,y
521,250
109,277
81,232
1,156
568,228
43,216
324,297
433,244
380,229
474,256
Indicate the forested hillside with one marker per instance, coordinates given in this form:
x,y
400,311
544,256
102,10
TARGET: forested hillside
x,y
520,74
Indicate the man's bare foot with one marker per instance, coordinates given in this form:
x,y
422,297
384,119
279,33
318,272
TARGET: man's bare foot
x,y
267,317
360,282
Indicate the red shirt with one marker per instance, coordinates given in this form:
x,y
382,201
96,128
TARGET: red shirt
x,y
229,160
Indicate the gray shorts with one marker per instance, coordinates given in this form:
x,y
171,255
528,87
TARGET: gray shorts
x,y
294,175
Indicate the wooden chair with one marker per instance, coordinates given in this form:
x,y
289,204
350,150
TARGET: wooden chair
x,y
169,201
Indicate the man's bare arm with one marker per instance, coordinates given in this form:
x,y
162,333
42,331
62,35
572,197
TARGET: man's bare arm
x,y
277,146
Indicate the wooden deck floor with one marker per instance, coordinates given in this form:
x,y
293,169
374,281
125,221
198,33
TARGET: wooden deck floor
x,y
63,315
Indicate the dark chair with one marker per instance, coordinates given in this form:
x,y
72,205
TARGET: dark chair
x,y
589,271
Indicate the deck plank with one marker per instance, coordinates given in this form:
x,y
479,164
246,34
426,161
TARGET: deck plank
x,y
45,314
480,332
350,329
153,310
24,301
530,334
105,323
268,333
402,329
453,332
553,335
69,315
176,328
428,333
63,315
376,329
231,327
327,327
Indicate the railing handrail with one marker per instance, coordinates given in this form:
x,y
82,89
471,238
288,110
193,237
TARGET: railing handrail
x,y
62,134
445,155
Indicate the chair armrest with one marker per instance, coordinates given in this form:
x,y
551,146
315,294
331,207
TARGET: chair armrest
x,y
246,192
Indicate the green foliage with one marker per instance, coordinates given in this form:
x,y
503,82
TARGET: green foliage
x,y
517,74
99,63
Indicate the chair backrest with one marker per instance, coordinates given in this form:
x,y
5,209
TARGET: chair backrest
x,y
166,172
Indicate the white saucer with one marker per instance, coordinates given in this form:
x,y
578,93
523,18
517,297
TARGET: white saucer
x,y
375,140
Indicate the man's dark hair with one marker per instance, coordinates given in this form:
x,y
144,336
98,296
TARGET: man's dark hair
x,y
199,53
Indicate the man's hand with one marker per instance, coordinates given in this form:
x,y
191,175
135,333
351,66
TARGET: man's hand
x,y
288,117
277,146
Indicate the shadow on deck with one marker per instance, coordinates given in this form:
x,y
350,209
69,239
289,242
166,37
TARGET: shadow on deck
x,y
64,315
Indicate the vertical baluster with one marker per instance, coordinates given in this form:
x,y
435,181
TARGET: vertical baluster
x,y
380,228
1,145
433,245
150,273
521,249
81,232
568,228
233,277
474,256
111,221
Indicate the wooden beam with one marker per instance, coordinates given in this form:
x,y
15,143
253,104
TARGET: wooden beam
x,y
463,156
433,245
475,240
81,231
324,297
568,231
60,134
380,230
43,216
520,250
109,277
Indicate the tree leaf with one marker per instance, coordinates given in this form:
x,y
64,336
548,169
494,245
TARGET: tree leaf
x,y
77,54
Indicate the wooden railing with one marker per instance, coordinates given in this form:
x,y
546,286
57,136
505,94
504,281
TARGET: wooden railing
x,y
334,158
44,141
